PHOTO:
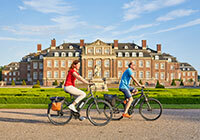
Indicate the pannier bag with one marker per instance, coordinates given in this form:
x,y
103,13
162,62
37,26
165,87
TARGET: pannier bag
x,y
56,103
110,98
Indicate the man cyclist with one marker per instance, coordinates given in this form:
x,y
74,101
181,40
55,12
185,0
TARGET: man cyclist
x,y
126,89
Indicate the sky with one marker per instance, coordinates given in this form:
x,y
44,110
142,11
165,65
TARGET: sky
x,y
175,24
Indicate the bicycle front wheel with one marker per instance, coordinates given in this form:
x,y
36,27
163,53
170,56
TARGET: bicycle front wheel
x,y
150,110
59,117
99,112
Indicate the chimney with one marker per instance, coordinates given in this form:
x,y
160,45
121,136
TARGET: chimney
x,y
144,44
39,48
115,44
82,43
53,44
158,48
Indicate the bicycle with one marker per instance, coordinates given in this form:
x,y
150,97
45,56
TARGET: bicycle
x,y
150,109
99,112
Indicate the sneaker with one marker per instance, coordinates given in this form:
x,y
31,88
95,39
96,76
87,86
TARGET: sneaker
x,y
126,115
72,107
81,118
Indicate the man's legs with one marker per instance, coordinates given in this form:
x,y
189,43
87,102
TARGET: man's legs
x,y
130,100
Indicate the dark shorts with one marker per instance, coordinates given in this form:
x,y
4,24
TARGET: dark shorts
x,y
127,92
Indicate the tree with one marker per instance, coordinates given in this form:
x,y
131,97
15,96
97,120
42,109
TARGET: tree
x,y
158,85
181,84
141,82
23,83
13,83
173,83
1,68
55,83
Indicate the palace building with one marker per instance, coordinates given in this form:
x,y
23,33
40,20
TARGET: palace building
x,y
53,63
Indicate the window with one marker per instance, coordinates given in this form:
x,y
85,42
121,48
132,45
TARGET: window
x,y
70,54
157,75
193,74
147,74
172,67
90,50
140,54
49,63
119,74
56,54
41,75
63,63
188,69
28,59
90,63
141,74
126,54
98,50
70,47
183,79
126,47
107,74
183,68
107,51
62,74
61,47
35,65
77,54
119,54
14,73
119,64
156,57
172,76
188,73
55,63
55,74
10,79
90,74
162,66
41,65
5,79
5,74
126,63
14,79
148,64
10,73
69,63
63,54
156,66
134,74
10,68
169,60
41,56
107,63
35,75
49,74
136,47
162,75
183,73
141,63
134,54
98,62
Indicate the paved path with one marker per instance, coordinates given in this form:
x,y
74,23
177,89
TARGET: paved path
x,y
33,124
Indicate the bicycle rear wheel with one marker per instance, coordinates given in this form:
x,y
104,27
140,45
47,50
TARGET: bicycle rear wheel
x,y
99,113
59,117
150,110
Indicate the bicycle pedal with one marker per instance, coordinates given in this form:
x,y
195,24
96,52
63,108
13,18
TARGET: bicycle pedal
x,y
81,118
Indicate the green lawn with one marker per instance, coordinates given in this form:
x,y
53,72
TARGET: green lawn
x,y
39,98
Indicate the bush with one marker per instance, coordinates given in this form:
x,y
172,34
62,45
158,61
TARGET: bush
x,y
173,83
55,83
38,82
36,86
141,82
158,85
23,83
13,83
181,84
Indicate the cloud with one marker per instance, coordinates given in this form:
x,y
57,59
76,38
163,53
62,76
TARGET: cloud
x,y
47,6
134,28
176,14
188,24
136,8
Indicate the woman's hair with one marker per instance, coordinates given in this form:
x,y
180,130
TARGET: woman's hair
x,y
73,64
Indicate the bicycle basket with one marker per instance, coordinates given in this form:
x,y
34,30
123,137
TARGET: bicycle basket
x,y
56,103
110,98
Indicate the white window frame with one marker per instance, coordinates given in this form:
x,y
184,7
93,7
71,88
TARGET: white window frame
x,y
90,63
90,74
148,74
90,50
162,66
157,75
56,75
156,66
63,54
107,63
134,54
56,54
119,64
70,54
98,50
162,75
141,54
148,63
62,74
135,74
56,63
14,73
41,65
107,51
141,63
69,63
107,74
49,63
156,57
141,74
126,63
63,63
172,76
41,75
35,65
98,62
119,74
119,54
49,74
77,54
35,74
127,54
189,74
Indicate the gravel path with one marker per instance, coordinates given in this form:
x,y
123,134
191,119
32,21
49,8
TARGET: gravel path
x,y
33,124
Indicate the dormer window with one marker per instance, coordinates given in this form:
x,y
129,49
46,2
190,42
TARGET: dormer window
x,y
188,68
41,56
156,57
10,68
119,54
183,68
70,47
170,60
56,54
134,54
48,50
77,54
136,47
15,68
140,54
28,59
63,54
61,47
126,54
70,54
126,47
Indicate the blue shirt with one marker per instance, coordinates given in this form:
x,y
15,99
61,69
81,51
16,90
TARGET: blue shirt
x,y
126,78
